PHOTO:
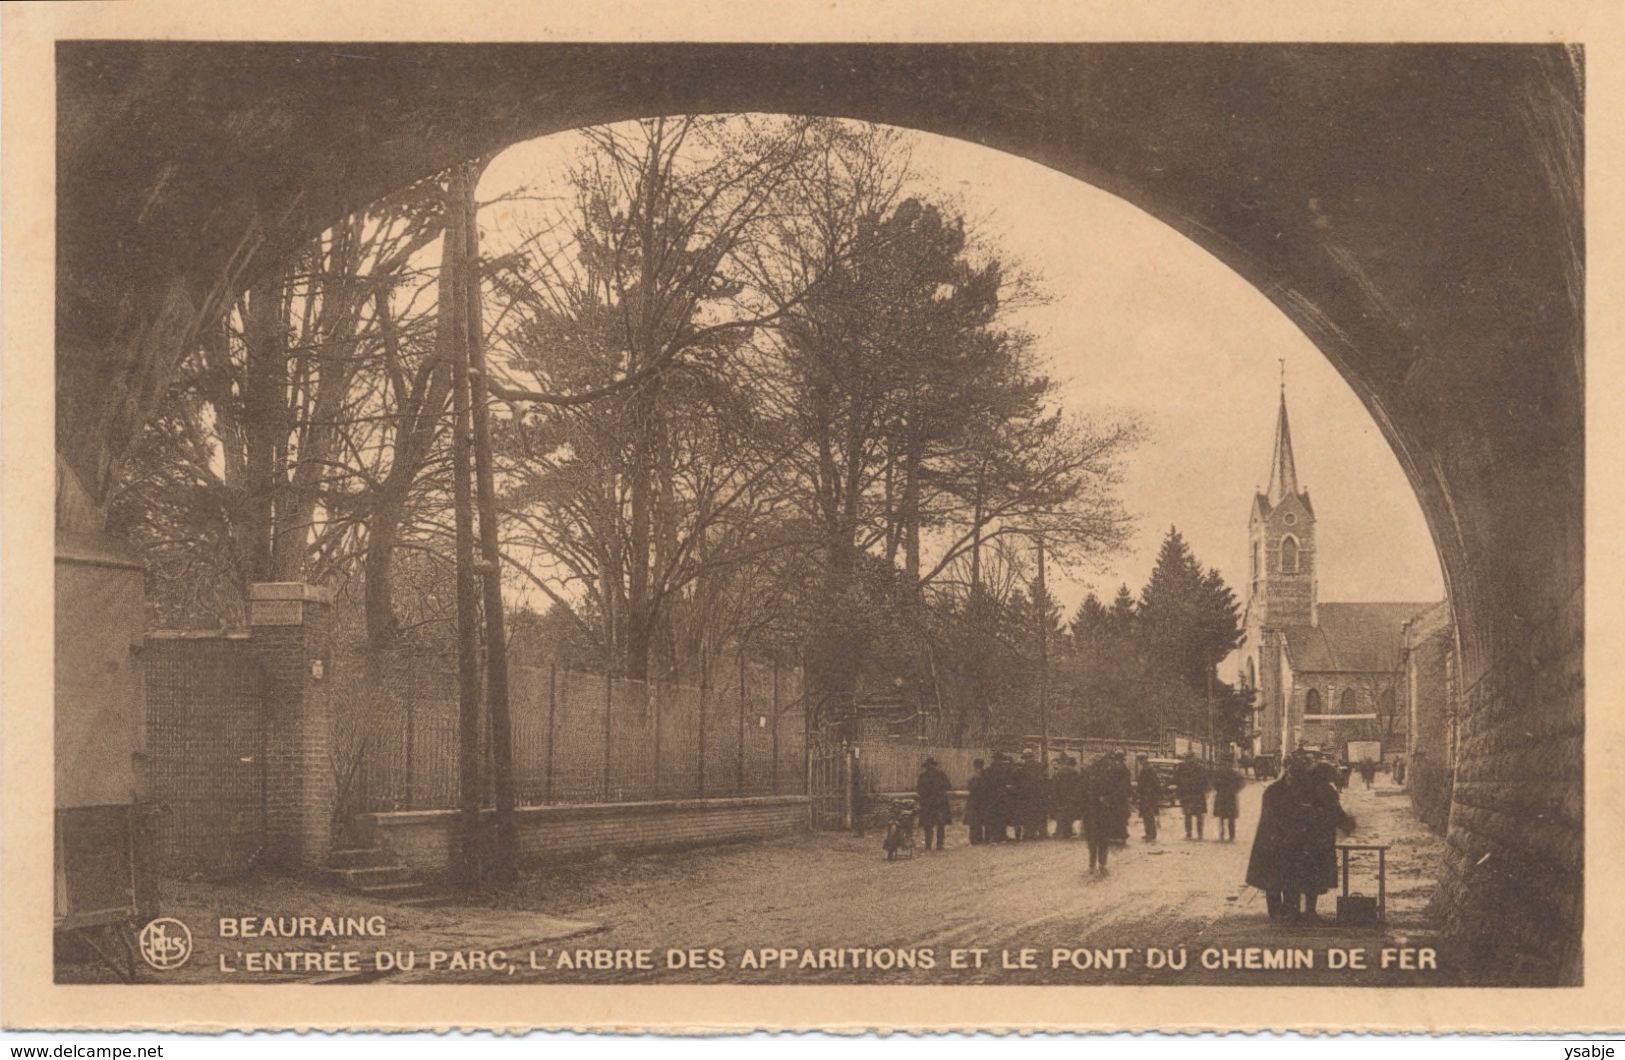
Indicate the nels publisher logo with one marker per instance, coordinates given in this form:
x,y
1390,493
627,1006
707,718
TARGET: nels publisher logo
x,y
165,943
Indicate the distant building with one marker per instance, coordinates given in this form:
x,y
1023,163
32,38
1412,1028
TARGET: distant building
x,y
1324,673
889,718
1430,694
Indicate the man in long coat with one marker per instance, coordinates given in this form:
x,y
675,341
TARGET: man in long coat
x,y
1000,779
1100,820
1120,790
1272,866
1148,792
932,790
1294,851
1032,787
976,802
1190,780
1064,796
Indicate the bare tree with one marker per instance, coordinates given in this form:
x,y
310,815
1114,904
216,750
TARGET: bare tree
x,y
629,321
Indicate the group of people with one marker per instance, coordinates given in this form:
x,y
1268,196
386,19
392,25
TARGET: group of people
x,y
1013,801
1294,856
1193,780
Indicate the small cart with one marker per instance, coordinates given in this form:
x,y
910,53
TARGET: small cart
x,y
900,828
1359,908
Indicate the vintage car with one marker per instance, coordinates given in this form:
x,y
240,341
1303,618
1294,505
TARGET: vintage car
x,y
1165,772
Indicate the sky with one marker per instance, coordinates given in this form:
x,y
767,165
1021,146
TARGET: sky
x,y
1143,321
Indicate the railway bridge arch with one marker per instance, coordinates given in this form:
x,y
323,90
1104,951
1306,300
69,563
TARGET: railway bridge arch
x,y
1416,210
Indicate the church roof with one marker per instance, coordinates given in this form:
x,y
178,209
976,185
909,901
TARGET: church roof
x,y
1262,506
1351,637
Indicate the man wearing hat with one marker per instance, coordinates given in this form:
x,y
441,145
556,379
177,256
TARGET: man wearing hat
x,y
1031,814
976,799
932,791
1294,850
1119,784
1191,781
1099,810
1065,791
1001,784
1273,865
1148,786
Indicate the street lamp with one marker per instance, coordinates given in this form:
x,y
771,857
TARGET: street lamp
x,y
1041,609
1043,658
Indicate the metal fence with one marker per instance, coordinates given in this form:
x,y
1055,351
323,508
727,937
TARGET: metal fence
x,y
577,737
894,767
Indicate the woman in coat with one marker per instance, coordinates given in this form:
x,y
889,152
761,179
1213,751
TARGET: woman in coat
x,y
1226,800
1326,818
932,790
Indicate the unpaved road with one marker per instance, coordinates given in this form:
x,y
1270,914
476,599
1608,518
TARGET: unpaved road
x,y
833,910
837,892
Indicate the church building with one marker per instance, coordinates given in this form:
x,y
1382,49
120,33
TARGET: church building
x,y
1324,673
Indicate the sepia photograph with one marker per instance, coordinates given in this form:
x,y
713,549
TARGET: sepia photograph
x,y
885,514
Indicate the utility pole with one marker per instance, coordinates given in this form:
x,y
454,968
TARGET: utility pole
x,y
505,852
1212,751
453,337
1043,658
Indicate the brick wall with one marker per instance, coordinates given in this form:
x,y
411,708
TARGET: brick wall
x,y
1430,695
1515,851
246,760
203,751
423,839
1431,784
291,627
239,739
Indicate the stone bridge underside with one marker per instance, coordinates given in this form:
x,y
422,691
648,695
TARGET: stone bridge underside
x,y
1415,209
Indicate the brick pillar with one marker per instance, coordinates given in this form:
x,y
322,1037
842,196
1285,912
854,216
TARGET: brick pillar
x,y
290,625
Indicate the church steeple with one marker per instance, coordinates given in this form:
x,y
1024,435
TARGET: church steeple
x,y
1281,531
1283,471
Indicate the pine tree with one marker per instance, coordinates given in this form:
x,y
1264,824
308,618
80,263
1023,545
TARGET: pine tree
x,y
1190,617
1124,613
1090,620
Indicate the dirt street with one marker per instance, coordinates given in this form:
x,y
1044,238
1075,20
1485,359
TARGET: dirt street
x,y
829,908
835,892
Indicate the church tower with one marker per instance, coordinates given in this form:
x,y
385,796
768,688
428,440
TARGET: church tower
x,y
1281,531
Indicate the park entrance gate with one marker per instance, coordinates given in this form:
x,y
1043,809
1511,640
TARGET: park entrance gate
x,y
829,782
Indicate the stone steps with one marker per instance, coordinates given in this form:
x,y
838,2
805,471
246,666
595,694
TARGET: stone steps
x,y
376,873
360,858
371,876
